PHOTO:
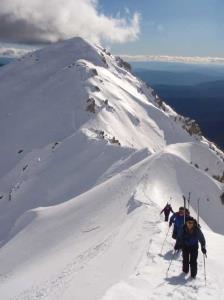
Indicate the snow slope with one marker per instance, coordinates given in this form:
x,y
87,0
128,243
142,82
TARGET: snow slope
x,y
89,156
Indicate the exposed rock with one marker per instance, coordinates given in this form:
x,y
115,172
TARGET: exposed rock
x,y
104,60
115,141
108,107
25,167
153,93
91,106
222,198
139,90
123,64
193,128
106,51
96,88
219,178
100,133
94,72
160,103
55,145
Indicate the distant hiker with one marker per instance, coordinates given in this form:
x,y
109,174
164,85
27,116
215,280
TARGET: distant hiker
x,y
166,210
187,240
178,220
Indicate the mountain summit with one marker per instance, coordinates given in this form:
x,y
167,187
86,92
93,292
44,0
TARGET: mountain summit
x,y
89,154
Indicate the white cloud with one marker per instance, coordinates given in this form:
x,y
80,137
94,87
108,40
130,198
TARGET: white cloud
x,y
53,20
13,52
180,59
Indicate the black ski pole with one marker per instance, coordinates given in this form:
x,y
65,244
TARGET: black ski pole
x,y
184,208
189,200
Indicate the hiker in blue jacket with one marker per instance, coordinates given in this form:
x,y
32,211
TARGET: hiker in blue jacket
x,y
187,240
178,220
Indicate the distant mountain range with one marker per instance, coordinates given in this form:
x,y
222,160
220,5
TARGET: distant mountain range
x,y
206,89
179,67
157,77
203,102
196,91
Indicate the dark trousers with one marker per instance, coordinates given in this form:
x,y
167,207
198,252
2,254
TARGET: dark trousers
x,y
190,255
174,235
166,217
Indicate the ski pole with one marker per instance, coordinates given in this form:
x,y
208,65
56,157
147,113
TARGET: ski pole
x,y
164,240
204,269
198,210
171,262
189,199
184,208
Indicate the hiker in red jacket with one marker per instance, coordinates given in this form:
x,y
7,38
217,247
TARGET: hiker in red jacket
x,y
167,209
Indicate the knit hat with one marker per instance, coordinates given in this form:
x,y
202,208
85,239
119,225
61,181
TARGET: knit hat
x,y
191,219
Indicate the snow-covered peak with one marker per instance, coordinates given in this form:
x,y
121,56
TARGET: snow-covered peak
x,y
89,155
72,83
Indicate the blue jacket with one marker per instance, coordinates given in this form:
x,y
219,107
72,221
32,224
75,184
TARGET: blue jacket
x,y
177,220
188,239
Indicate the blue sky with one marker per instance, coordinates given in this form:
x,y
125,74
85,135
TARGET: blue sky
x,y
172,27
166,27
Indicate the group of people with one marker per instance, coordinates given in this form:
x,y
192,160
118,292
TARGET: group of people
x,y
187,233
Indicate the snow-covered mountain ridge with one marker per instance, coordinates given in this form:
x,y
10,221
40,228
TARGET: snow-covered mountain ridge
x,y
89,156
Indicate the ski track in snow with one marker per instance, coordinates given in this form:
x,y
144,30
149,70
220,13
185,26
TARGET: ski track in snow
x,y
162,284
165,285
52,289
151,280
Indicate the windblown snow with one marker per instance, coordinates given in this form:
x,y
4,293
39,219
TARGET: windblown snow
x,y
89,156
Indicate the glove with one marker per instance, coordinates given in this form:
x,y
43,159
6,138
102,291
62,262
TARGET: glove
x,y
170,224
203,250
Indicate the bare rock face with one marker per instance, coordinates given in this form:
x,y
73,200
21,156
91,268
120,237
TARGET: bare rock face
x,y
222,198
219,178
91,105
123,64
94,72
193,128
115,141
